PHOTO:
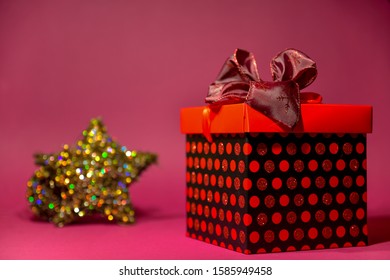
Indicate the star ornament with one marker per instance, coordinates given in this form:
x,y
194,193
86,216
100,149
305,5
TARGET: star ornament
x,y
91,177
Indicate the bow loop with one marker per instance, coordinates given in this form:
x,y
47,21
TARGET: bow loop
x,y
293,65
239,82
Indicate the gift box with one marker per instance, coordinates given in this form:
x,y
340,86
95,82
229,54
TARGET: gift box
x,y
256,184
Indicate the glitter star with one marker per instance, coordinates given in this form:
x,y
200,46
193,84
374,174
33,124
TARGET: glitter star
x,y
91,177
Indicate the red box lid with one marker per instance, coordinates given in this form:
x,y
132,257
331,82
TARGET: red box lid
x,y
240,118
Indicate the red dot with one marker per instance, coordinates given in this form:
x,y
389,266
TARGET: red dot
x,y
360,180
305,216
213,180
262,184
247,149
340,164
305,148
276,148
239,250
188,177
237,148
233,200
254,166
313,165
221,148
340,231
291,249
218,230
217,197
327,232
203,226
354,230
188,206
364,164
262,219
203,163
190,162
217,164
188,147
360,213
213,148
334,148
233,234
306,182
360,148
233,165
229,216
320,246
364,197
241,166
206,211
261,149
305,248
361,243
247,219
190,222
269,201
313,199
299,200
199,209
242,236
269,236
291,217
276,218
199,178
214,212
313,233
276,183
284,200
347,214
333,215
220,181
241,201
284,165
327,199
354,197
237,218
254,201
333,245
276,250
283,235
254,237
333,181
298,234
229,148
200,147
365,231
340,198
247,184
228,182
320,216
190,192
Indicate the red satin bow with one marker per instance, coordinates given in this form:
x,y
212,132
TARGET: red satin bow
x,y
280,100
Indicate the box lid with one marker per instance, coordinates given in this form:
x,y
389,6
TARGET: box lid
x,y
240,118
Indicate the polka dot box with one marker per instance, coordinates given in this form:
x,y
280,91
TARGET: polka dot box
x,y
257,187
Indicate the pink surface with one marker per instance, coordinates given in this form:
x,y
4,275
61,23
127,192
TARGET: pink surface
x,y
135,64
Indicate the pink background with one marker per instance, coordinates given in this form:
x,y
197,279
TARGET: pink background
x,y
135,64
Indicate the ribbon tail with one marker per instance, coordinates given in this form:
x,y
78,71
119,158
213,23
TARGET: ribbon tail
x,y
277,100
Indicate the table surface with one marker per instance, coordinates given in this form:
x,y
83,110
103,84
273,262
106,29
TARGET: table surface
x,y
159,231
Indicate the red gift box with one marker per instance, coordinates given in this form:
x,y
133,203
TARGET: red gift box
x,y
261,187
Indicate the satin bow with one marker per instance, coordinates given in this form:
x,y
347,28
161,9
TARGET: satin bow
x,y
280,100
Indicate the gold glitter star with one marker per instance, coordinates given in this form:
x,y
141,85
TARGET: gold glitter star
x,y
92,177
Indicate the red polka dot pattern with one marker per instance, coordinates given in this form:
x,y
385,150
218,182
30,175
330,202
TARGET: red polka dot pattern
x,y
258,193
